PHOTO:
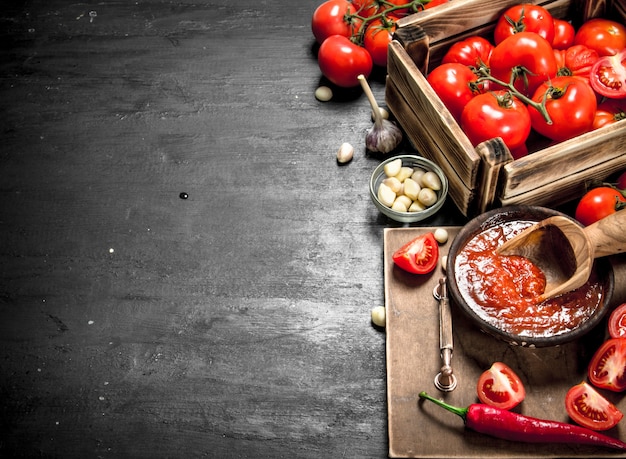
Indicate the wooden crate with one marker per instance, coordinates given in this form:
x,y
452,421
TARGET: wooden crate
x,y
487,176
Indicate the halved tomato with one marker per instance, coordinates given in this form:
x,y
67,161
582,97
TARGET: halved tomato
x,y
608,76
419,255
587,407
617,322
607,369
499,386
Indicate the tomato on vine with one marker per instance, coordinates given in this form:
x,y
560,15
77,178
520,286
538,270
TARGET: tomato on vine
x,y
524,18
334,17
342,61
455,84
376,39
571,105
496,114
526,59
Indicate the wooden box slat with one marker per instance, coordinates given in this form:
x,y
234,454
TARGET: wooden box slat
x,y
487,176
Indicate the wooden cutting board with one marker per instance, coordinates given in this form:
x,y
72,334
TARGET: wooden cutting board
x,y
421,429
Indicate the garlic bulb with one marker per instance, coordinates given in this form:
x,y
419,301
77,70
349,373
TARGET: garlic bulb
x,y
384,136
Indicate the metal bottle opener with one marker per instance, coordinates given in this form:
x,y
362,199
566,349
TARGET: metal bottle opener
x,y
445,380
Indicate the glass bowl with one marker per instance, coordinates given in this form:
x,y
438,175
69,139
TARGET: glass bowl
x,y
410,161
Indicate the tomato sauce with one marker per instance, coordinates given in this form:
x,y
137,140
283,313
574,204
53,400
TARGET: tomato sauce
x,y
503,289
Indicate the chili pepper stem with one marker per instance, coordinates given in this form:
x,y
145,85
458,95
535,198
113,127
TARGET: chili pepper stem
x,y
462,412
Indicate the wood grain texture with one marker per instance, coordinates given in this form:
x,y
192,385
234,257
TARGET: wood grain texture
x,y
234,323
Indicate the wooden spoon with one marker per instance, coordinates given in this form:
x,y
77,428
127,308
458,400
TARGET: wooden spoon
x,y
565,251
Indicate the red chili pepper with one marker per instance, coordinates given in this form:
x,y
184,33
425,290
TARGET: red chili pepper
x,y
517,427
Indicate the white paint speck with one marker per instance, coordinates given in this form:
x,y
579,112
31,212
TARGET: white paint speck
x,y
90,322
111,250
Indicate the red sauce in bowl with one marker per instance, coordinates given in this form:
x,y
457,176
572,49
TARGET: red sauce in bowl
x,y
503,290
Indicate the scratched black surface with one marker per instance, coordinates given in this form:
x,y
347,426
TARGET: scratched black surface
x,y
230,322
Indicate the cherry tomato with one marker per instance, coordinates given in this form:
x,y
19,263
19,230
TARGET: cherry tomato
x,y
576,60
525,57
330,19
610,111
419,255
587,407
598,203
571,105
377,38
341,61
472,51
453,84
617,322
608,76
564,33
607,369
499,386
496,114
524,18
605,36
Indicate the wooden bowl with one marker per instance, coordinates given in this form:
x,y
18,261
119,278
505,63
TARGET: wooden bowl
x,y
530,338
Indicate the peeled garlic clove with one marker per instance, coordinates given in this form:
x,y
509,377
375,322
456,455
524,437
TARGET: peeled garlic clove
x,y
379,316
417,206
392,168
411,188
427,197
345,153
431,180
394,184
386,195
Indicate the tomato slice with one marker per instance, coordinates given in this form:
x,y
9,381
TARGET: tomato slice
x,y
587,407
418,256
499,386
617,322
608,76
607,369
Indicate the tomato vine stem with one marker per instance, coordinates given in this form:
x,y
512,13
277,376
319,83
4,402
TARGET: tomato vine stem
x,y
484,74
413,6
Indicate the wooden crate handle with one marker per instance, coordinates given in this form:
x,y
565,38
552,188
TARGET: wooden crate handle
x,y
494,156
416,43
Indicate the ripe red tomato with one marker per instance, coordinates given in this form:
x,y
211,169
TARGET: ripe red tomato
x,y
499,386
526,58
587,407
418,256
377,38
341,61
524,18
617,322
598,203
610,111
576,60
571,105
453,84
605,36
472,51
607,369
564,33
496,114
608,76
330,19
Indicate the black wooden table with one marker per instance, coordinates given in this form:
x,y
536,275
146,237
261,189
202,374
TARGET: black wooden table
x,y
186,271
